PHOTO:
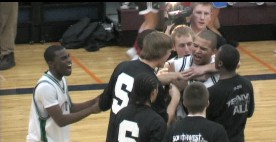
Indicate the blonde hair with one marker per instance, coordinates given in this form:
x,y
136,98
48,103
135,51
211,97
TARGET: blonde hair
x,y
182,30
194,4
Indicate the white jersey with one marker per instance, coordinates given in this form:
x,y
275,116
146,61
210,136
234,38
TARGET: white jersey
x,y
184,63
48,93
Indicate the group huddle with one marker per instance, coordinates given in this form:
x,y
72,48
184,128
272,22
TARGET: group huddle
x,y
194,96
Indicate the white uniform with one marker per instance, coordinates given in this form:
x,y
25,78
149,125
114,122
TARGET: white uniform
x,y
48,94
184,63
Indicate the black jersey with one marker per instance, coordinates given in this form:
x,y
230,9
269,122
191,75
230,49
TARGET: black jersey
x,y
138,123
117,93
231,102
195,129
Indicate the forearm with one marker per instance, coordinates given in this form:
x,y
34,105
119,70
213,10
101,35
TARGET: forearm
x,y
75,117
169,77
56,113
80,106
210,68
197,71
171,109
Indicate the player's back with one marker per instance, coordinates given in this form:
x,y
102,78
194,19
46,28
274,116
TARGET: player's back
x,y
120,86
140,123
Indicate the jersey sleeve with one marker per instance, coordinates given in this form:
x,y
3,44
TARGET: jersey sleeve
x,y
251,107
106,97
221,135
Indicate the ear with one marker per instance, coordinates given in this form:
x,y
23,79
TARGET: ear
x,y
51,64
220,63
214,50
174,48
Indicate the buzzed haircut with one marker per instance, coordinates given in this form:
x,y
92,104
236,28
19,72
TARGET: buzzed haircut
x,y
155,46
210,36
49,54
229,56
143,86
196,97
182,30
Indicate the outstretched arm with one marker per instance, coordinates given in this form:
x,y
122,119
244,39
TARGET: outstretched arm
x,y
78,112
197,71
80,106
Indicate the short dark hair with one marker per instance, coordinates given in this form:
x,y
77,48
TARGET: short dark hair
x,y
49,54
210,36
196,97
144,84
229,56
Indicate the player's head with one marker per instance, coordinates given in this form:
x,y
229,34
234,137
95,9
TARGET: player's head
x,y
156,47
183,38
204,47
227,57
201,14
196,97
145,88
58,60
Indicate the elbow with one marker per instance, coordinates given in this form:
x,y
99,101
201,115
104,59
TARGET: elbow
x,y
61,123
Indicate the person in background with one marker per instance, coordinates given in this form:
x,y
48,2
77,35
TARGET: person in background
x,y
138,118
195,127
201,17
8,30
150,11
52,110
232,97
214,23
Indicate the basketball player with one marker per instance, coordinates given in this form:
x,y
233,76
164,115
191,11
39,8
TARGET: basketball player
x,y
156,50
232,97
52,110
195,127
138,118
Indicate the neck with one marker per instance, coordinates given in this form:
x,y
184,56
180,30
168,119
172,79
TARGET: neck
x,y
146,103
196,30
150,63
202,114
58,77
224,74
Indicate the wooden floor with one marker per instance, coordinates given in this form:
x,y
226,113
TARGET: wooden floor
x,y
258,62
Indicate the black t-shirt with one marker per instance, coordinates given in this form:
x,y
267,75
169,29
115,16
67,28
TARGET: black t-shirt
x,y
117,93
231,102
195,129
139,123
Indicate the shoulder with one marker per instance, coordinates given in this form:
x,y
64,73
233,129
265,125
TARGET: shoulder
x,y
45,85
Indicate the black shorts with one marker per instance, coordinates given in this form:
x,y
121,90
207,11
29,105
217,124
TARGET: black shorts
x,y
147,7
